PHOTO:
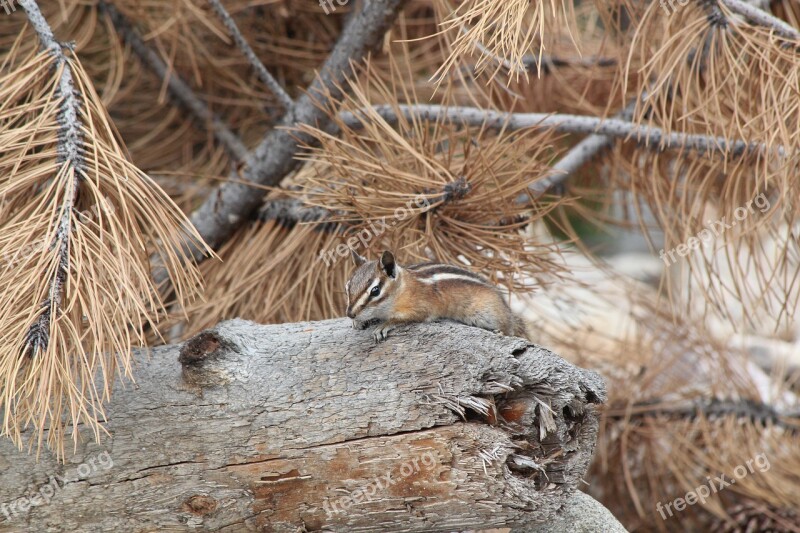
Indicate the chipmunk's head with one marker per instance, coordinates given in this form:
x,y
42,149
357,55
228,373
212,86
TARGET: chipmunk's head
x,y
371,290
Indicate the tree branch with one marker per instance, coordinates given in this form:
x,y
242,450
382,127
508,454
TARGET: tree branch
x,y
244,46
763,18
650,136
177,87
70,150
576,157
756,412
291,211
234,202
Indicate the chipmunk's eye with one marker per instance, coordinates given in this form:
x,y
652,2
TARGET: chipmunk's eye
x,y
376,290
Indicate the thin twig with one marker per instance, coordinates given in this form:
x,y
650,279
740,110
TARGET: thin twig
x,y
244,46
70,148
582,152
650,136
177,87
530,62
234,202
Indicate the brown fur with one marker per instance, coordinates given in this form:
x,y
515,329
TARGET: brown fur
x,y
426,292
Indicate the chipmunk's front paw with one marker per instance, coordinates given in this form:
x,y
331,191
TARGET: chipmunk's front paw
x,y
381,333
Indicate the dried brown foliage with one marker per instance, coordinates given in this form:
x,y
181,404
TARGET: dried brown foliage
x,y
683,403
79,223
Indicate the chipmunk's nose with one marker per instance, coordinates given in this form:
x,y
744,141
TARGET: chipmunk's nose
x,y
350,313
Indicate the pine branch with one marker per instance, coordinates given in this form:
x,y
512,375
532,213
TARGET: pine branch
x,y
70,150
79,220
754,411
650,136
291,211
244,46
564,168
177,87
762,18
576,157
234,202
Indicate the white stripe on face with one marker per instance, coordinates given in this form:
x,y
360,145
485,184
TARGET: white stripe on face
x,y
445,276
362,300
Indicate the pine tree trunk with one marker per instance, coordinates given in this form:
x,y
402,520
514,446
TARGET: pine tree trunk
x,y
313,426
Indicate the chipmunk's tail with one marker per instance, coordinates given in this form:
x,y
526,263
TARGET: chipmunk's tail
x,y
520,328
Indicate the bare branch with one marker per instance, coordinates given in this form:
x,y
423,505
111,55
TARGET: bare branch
x,y
70,148
234,202
756,412
244,46
576,157
177,87
762,18
650,136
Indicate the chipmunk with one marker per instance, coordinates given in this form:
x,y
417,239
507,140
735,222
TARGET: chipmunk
x,y
384,294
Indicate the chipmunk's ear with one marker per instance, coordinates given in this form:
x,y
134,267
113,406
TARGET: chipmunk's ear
x,y
357,259
387,263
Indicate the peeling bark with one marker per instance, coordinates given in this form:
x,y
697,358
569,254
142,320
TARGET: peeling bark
x,y
313,426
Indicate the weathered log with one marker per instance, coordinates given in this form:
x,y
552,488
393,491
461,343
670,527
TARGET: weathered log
x,y
312,426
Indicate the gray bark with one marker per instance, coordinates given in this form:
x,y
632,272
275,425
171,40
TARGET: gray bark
x,y
295,427
649,136
233,202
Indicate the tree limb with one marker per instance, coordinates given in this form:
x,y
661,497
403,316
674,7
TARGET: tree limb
x,y
263,74
70,159
763,18
290,211
650,136
267,427
755,412
234,201
576,157
177,87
